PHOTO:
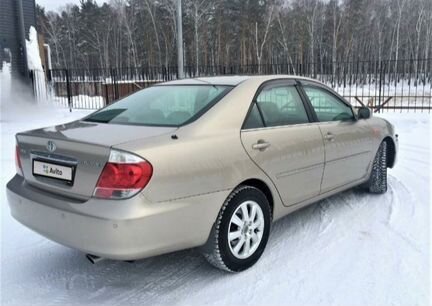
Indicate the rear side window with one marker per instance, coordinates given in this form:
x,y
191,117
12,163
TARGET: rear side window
x,y
281,105
254,119
169,105
328,107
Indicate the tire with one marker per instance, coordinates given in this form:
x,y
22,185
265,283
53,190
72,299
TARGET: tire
x,y
377,182
221,251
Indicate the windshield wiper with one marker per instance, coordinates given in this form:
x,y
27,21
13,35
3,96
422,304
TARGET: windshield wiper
x,y
105,116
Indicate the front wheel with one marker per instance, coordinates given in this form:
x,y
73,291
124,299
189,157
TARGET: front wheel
x,y
377,182
241,230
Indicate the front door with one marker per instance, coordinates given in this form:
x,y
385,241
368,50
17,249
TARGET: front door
x,y
280,139
347,140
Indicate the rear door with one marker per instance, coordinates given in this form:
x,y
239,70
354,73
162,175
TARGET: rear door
x,y
347,140
279,138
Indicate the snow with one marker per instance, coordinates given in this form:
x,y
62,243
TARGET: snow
x,y
33,58
35,65
405,93
351,249
5,80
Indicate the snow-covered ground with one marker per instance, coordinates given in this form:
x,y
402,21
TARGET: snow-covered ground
x,y
351,249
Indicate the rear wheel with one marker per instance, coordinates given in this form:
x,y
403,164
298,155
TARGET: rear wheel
x,y
241,230
377,182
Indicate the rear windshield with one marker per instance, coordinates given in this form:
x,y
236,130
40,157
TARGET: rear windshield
x,y
169,105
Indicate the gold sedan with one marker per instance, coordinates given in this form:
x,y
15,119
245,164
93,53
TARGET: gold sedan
x,y
207,162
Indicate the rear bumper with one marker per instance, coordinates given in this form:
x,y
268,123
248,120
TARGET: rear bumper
x,y
124,230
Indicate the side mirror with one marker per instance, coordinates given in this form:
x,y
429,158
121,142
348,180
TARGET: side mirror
x,y
363,113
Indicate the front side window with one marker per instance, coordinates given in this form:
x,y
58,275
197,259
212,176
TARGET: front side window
x,y
169,105
327,107
281,105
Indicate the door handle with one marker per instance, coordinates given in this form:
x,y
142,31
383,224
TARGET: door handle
x,y
329,137
261,145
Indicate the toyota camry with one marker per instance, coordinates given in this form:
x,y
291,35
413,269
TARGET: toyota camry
x,y
205,162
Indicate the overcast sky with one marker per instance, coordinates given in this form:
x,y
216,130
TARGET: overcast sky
x,y
54,5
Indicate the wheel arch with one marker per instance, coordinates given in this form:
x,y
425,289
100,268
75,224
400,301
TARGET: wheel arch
x,y
262,186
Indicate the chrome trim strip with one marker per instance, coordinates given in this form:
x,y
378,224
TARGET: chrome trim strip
x,y
53,157
347,157
296,171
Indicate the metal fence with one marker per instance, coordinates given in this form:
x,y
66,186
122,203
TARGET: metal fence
x,y
388,85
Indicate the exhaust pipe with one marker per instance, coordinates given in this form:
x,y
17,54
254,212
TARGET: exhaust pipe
x,y
93,258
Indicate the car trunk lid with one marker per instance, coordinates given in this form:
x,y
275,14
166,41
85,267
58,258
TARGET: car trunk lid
x,y
81,148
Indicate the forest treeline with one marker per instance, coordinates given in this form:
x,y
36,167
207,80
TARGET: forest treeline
x,y
143,33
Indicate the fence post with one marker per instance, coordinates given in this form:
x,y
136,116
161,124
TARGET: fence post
x,y
106,93
68,90
114,82
380,85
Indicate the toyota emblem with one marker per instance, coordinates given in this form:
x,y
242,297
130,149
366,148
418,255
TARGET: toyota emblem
x,y
51,146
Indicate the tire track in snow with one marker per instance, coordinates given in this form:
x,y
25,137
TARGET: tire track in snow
x,y
400,195
414,148
407,240
325,219
163,275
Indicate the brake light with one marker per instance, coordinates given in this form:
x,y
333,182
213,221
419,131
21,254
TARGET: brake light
x,y
18,164
123,176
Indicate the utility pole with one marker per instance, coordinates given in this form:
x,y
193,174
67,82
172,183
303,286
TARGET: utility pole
x,y
179,40
22,36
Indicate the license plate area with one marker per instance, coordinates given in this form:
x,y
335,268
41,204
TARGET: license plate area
x,y
53,170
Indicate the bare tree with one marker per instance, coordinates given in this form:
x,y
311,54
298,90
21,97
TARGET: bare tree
x,y
134,33
283,40
54,31
418,29
259,45
127,20
200,8
311,12
150,9
170,40
400,9
337,23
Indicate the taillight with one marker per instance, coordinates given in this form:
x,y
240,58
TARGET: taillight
x,y
123,176
18,164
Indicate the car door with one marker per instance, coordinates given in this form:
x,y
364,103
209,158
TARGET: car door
x,y
347,140
279,138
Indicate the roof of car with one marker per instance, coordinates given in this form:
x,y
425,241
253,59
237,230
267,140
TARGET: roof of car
x,y
233,80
